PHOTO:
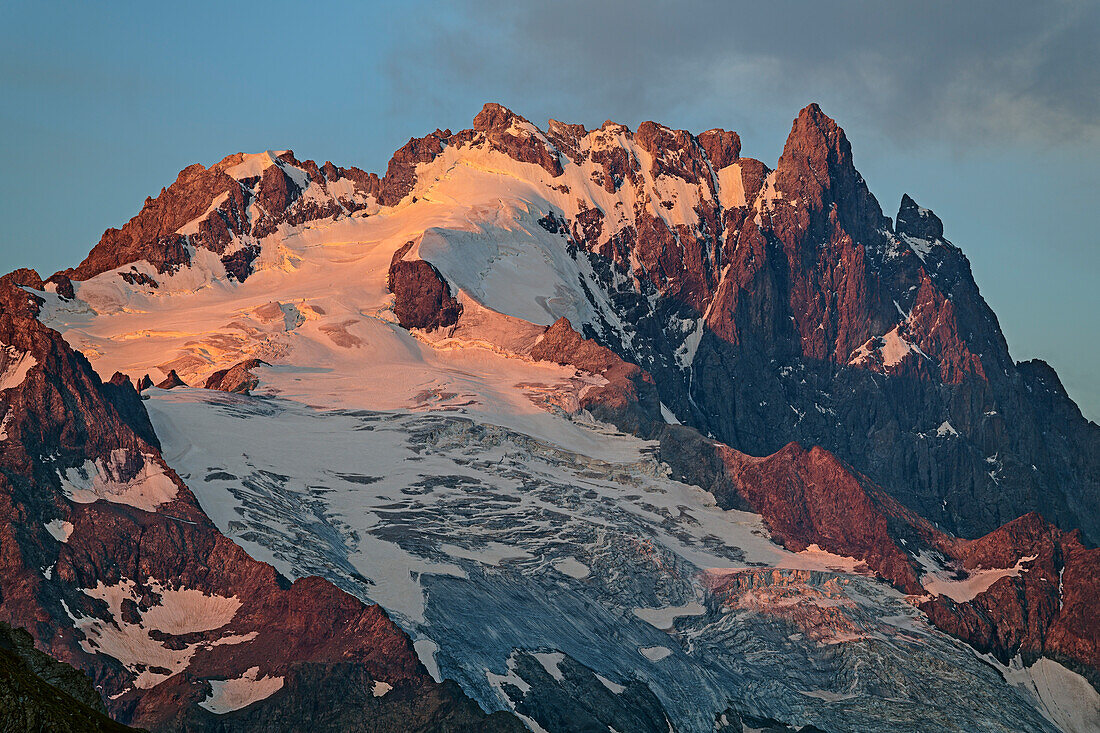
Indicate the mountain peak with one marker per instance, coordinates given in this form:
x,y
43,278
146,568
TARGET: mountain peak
x,y
815,129
916,221
812,111
515,136
495,116
814,133
817,168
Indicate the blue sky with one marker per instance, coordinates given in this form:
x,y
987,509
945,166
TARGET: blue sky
x,y
986,112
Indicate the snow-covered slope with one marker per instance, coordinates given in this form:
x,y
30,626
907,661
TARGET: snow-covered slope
x,y
487,543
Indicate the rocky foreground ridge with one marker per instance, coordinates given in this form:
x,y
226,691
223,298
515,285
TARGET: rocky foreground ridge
x,y
789,348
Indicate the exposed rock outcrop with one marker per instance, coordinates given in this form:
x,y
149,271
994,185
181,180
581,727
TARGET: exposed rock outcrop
x,y
628,400
171,381
24,276
1046,605
238,378
516,137
422,297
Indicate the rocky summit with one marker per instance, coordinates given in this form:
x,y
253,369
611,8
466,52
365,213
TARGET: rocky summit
x,y
552,429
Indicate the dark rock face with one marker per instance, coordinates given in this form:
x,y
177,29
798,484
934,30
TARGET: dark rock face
x,y
62,419
337,697
238,266
736,722
24,276
238,378
38,693
64,286
723,147
171,381
914,221
139,278
809,497
401,173
629,400
422,297
579,701
66,679
151,234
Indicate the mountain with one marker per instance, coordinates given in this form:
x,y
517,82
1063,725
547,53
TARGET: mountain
x,y
594,429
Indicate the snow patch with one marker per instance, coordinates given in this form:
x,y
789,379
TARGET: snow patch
x,y
493,553
921,247
511,677
731,186
655,653
892,347
1064,697
507,262
254,164
943,582
234,694
572,567
685,355
100,479
60,530
550,662
14,365
827,695
946,428
815,558
180,611
895,348
615,688
665,618
192,227
426,649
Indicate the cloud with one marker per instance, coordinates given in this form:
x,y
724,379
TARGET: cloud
x,y
970,73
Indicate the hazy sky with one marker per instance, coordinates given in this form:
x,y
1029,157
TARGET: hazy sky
x,y
986,112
